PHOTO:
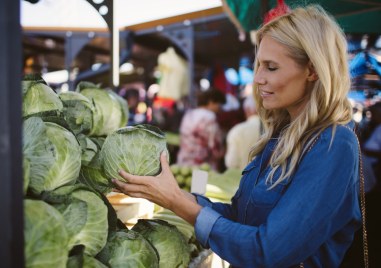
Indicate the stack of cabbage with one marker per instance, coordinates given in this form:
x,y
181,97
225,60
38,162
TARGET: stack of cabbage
x,y
73,144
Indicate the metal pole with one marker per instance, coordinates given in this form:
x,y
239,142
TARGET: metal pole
x,y
110,17
114,47
11,190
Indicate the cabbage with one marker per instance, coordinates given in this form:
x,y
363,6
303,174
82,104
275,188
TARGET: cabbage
x,y
92,173
84,261
39,97
135,149
108,113
128,249
77,111
46,238
53,153
85,216
123,106
26,174
174,251
89,149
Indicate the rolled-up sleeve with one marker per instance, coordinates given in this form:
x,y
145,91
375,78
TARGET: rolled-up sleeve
x,y
204,224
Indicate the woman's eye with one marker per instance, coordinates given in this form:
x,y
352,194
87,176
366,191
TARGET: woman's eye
x,y
271,69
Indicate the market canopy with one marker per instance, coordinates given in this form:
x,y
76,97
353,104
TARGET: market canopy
x,y
80,13
354,16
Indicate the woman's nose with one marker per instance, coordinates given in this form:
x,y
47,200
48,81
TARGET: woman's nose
x,y
259,79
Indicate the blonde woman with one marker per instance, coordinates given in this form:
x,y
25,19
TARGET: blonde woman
x,y
298,197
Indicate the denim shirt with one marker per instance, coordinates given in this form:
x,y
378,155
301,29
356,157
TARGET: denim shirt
x,y
310,218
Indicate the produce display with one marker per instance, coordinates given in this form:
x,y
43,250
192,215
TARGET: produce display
x,y
221,187
183,174
73,143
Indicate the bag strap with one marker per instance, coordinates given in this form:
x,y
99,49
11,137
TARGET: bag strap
x,y
362,203
363,210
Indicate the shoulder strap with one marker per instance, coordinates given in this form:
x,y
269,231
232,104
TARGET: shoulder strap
x,y
363,212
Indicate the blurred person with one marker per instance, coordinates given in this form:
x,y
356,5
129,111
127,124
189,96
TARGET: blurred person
x,y
297,204
133,99
201,139
242,137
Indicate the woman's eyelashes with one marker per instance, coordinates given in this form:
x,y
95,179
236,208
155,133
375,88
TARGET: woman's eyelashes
x,y
272,69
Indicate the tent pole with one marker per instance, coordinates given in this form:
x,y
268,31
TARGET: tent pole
x,y
11,190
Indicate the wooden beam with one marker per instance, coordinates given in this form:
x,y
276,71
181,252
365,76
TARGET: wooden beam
x,y
176,19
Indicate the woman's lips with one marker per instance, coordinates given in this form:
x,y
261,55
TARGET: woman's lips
x,y
265,93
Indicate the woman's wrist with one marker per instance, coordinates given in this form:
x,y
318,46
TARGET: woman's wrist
x,y
185,206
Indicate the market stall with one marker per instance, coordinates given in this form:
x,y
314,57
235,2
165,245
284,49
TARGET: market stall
x,y
11,151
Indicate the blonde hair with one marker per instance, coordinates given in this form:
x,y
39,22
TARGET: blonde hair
x,y
310,35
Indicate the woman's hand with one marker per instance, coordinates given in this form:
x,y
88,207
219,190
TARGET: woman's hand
x,y
162,190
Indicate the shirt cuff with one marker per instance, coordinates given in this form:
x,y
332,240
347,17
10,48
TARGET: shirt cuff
x,y
204,223
202,200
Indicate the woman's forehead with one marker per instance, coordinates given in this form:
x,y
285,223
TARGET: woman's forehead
x,y
270,50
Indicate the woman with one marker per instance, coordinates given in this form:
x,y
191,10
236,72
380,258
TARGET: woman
x,y
298,197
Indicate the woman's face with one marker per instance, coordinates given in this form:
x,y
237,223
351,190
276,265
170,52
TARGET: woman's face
x,y
281,82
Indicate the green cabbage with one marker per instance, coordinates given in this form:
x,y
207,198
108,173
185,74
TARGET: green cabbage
x,y
38,97
77,111
174,250
123,106
54,155
108,113
89,149
46,238
26,174
128,249
84,261
85,216
135,149
92,173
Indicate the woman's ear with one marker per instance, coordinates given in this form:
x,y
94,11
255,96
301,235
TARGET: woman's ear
x,y
312,75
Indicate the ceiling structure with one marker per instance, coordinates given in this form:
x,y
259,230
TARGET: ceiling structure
x,y
48,23
215,41
80,14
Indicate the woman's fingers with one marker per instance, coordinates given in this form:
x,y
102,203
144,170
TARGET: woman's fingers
x,y
134,179
134,190
164,162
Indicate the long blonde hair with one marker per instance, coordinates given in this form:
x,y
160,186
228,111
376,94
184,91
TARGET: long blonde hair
x,y
310,35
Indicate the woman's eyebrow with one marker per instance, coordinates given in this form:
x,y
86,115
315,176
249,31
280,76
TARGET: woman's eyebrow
x,y
267,61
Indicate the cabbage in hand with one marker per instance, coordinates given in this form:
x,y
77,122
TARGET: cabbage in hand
x,y
135,149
